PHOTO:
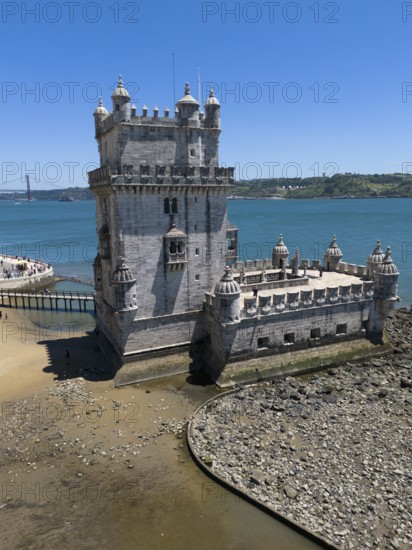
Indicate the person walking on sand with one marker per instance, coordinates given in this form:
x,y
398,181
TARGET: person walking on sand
x,y
67,357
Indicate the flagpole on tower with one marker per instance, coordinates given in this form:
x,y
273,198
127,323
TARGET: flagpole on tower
x,y
174,81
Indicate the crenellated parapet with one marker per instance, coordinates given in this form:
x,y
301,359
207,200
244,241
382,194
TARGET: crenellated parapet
x,y
146,174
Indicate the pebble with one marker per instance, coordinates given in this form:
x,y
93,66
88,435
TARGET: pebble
x,y
337,463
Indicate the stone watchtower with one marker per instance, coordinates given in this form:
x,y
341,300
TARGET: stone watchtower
x,y
374,260
332,256
280,254
385,276
162,224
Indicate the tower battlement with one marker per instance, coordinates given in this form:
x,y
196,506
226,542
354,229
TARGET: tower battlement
x,y
190,138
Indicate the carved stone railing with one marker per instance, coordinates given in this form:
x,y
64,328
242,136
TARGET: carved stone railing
x,y
176,257
303,299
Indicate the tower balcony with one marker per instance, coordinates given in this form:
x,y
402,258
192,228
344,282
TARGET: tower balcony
x,y
146,174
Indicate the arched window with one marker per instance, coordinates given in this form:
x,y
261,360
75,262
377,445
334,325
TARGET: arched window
x,y
166,205
180,247
172,247
174,206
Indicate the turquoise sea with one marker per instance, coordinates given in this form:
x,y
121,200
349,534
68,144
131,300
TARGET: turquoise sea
x,y
64,233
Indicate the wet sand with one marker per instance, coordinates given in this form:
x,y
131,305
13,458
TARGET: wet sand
x,y
85,465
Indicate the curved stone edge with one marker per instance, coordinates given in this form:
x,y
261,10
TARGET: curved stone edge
x,y
243,494
33,281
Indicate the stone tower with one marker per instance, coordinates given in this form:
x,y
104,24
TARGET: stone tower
x,y
162,225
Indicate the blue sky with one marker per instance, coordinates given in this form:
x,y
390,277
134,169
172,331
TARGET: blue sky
x,y
305,87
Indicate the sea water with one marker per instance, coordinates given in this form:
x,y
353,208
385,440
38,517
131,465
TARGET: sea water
x,y
64,233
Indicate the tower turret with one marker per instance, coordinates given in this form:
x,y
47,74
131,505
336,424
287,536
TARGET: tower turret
x,y
188,107
212,109
99,115
227,302
374,260
280,254
386,285
124,287
386,277
121,103
332,256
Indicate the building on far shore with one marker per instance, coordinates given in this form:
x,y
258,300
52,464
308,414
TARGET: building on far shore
x,y
171,294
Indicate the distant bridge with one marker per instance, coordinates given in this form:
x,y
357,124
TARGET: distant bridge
x,y
53,300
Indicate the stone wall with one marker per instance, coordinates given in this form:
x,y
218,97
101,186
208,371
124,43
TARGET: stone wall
x,y
26,283
284,333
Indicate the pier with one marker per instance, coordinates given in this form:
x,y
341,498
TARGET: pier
x,y
55,301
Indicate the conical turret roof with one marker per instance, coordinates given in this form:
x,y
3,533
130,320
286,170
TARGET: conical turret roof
x,y
333,249
187,98
100,109
212,100
387,267
377,255
227,284
122,273
120,90
280,247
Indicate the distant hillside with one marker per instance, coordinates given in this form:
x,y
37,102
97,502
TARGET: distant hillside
x,y
339,185
77,193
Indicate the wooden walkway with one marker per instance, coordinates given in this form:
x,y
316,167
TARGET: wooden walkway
x,y
52,300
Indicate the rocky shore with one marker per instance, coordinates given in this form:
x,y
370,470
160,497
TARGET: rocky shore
x,y
332,451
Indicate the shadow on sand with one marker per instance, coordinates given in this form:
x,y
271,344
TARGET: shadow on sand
x,y
199,378
85,359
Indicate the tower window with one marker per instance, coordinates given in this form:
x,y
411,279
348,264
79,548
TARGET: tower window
x,y
117,107
173,247
192,152
197,252
195,199
170,205
314,333
342,328
289,338
197,277
263,343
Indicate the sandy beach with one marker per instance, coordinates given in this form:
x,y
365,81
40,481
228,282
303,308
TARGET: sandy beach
x,y
85,465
